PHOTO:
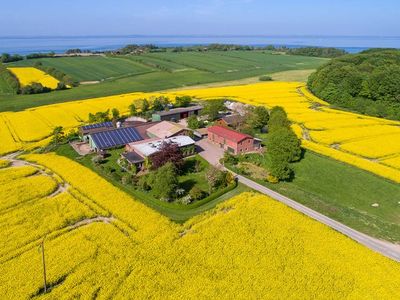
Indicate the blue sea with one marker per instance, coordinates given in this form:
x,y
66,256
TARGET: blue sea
x,y
59,44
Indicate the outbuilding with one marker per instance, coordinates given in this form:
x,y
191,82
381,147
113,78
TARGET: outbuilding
x,y
231,140
176,114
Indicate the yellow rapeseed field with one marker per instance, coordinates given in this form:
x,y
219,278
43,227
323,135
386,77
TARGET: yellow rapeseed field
x,y
29,75
101,243
355,139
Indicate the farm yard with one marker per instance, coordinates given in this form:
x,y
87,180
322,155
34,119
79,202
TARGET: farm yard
x,y
125,244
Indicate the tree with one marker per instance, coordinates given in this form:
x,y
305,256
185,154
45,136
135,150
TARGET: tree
x,y
182,101
279,168
278,119
100,116
212,108
157,105
169,152
142,104
164,181
193,122
58,135
160,103
283,147
258,117
284,143
115,114
132,110
217,178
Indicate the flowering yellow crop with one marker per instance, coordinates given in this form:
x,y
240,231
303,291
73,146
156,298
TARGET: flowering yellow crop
x,y
393,162
10,174
4,163
24,189
29,75
354,137
248,247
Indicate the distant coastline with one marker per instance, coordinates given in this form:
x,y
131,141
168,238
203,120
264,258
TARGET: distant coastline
x,y
59,44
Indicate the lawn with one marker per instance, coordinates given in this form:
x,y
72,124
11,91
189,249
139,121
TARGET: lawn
x,y
90,68
176,212
346,194
164,71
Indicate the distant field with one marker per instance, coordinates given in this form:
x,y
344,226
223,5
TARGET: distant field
x,y
90,68
238,61
156,71
4,86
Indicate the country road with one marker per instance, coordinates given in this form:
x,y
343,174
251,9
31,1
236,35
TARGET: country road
x,y
385,248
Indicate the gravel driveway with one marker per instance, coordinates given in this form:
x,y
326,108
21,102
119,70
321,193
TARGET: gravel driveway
x,y
210,152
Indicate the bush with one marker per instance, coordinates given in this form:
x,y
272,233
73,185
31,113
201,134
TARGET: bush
x,y
196,194
272,179
34,88
97,160
143,184
265,78
126,179
228,158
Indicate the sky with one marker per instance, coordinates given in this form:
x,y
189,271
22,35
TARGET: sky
x,y
200,17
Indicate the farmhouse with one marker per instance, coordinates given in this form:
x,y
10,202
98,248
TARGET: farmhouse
x,y
136,152
231,121
176,114
167,129
231,140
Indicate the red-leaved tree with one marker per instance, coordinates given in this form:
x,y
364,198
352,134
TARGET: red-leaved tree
x,y
169,152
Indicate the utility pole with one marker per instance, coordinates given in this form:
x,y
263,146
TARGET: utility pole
x,y
44,267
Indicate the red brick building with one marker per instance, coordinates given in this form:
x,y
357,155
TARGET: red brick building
x,y
231,140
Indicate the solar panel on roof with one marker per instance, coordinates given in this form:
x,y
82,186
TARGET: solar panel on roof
x,y
98,125
115,138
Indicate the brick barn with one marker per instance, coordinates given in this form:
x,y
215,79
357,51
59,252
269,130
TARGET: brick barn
x,y
232,141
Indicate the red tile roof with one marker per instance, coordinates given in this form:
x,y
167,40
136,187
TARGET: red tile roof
x,y
228,134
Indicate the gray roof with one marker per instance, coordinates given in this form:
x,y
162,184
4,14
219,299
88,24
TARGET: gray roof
x,y
147,148
178,110
132,157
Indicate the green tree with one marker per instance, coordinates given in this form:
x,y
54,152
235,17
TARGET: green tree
x,y
284,143
212,108
183,101
132,110
193,122
278,119
115,114
164,182
283,147
258,117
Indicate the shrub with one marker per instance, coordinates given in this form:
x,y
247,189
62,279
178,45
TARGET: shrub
x,y
265,78
272,179
196,194
126,179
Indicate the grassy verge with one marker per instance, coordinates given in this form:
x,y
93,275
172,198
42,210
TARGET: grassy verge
x,y
176,212
346,194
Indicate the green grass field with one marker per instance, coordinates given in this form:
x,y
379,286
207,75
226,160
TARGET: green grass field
x,y
346,194
158,71
91,68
